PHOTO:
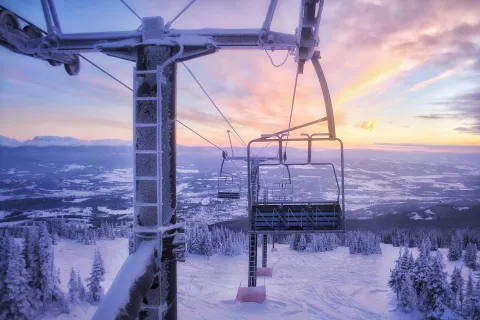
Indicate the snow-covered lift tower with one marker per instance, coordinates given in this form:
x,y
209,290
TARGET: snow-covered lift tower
x,y
156,48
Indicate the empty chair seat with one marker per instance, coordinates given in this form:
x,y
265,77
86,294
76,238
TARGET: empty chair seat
x,y
228,195
297,217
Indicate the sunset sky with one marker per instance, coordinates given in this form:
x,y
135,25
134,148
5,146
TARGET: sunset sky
x,y
399,71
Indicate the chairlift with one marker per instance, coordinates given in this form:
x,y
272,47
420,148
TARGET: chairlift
x,y
279,212
280,191
228,186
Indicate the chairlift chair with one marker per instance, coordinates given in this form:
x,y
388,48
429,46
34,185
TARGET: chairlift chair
x,y
282,191
281,213
228,186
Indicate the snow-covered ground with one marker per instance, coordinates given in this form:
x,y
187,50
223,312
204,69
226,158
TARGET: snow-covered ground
x,y
328,285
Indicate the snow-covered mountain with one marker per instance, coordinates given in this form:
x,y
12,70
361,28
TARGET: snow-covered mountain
x,y
43,141
9,142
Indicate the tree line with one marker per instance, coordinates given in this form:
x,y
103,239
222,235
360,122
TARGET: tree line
x,y
422,284
30,281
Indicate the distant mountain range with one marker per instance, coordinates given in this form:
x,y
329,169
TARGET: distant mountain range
x,y
44,141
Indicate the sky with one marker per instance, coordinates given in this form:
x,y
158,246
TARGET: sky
x,y
402,74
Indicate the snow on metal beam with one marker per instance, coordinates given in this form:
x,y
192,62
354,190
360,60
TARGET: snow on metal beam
x,y
133,269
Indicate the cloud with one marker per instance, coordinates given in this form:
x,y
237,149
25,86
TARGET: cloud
x,y
464,108
367,125
472,129
433,116
431,147
430,81
467,109
366,47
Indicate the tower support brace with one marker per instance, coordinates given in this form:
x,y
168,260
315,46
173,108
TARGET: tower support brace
x,y
264,251
154,173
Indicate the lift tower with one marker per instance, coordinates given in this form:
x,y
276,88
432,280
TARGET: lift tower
x,y
156,49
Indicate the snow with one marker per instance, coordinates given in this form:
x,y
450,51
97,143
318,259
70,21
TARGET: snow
x,y
8,142
3,214
117,175
181,187
43,141
77,200
115,212
205,201
73,167
161,228
327,285
429,211
180,170
462,208
119,292
77,181
415,216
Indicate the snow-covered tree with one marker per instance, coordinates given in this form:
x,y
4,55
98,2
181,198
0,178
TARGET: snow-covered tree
x,y
16,296
82,292
470,256
476,298
323,242
302,243
54,237
58,296
363,242
30,253
46,277
401,271
456,285
436,296
229,246
208,245
3,260
73,290
97,275
455,249
420,267
407,300
470,297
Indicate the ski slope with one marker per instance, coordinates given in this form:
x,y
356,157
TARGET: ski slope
x,y
322,285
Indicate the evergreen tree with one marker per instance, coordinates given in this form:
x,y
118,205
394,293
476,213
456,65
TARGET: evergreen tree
x,y
406,298
469,297
3,264
46,281
62,227
436,295
111,230
302,243
395,275
54,237
73,290
82,292
476,294
16,296
209,245
97,275
420,267
229,246
455,249
295,239
456,286
30,252
58,295
470,256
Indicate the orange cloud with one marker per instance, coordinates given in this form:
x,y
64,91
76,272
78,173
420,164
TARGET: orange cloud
x,y
367,125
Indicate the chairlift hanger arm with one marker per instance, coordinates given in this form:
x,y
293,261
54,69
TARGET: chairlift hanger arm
x,y
266,137
60,47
